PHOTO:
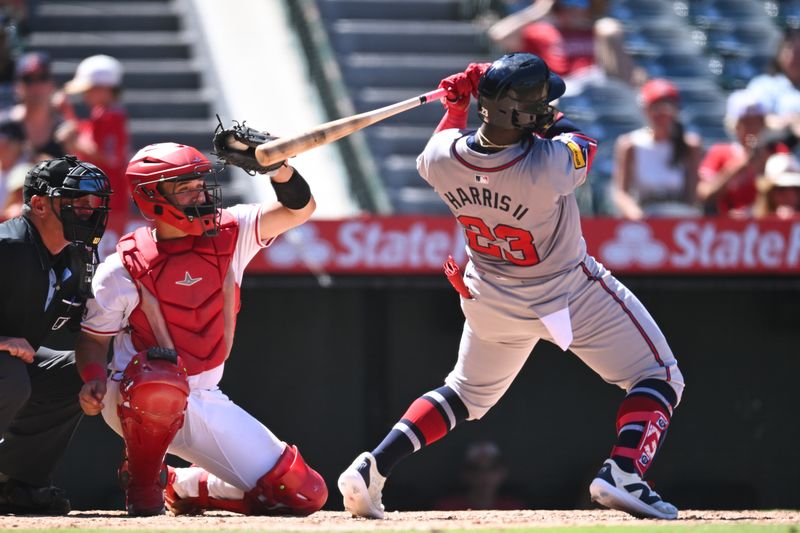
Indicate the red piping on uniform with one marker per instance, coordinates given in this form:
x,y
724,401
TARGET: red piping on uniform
x,y
491,169
630,315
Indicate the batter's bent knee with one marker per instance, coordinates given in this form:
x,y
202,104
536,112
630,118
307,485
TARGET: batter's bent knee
x,y
476,401
291,487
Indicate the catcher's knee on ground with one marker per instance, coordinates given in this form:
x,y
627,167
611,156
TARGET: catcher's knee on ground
x,y
153,396
291,487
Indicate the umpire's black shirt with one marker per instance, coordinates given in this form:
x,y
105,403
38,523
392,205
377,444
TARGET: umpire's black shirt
x,y
38,291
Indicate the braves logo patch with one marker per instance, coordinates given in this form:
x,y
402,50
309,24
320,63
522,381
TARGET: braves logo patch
x,y
578,160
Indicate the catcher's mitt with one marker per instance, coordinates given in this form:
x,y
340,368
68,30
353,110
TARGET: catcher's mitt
x,y
237,146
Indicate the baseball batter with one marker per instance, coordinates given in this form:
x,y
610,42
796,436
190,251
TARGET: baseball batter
x,y
168,298
511,185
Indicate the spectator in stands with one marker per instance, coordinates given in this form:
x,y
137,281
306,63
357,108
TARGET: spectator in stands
x,y
655,167
103,138
779,188
6,64
14,164
781,87
483,477
572,36
36,109
728,172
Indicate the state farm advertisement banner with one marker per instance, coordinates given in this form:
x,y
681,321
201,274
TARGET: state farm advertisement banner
x,y
710,245
419,245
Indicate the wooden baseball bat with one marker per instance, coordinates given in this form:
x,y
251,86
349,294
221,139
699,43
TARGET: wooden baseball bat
x,y
285,147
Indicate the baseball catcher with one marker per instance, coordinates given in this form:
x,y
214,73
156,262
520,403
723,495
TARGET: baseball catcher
x,y
168,300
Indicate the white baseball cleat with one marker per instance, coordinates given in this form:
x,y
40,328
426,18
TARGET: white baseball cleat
x,y
616,489
362,493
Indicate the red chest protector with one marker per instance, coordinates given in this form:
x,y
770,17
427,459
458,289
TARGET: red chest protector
x,y
188,297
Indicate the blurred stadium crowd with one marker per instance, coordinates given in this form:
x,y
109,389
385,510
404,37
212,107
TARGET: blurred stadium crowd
x,y
688,99
695,103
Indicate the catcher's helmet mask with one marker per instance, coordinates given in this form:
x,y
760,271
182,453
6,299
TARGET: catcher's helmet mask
x,y
516,90
82,223
170,162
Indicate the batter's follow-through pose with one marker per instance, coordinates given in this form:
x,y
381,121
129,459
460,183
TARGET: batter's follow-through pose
x,y
168,298
511,184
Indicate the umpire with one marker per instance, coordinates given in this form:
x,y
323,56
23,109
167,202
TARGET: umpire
x,y
47,257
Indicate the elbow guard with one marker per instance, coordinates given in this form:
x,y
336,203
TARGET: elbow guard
x,y
295,193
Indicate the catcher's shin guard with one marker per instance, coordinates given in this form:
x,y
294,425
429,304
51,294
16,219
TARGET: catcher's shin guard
x,y
154,392
290,488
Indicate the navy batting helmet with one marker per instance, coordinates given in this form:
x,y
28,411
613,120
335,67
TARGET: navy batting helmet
x,y
516,90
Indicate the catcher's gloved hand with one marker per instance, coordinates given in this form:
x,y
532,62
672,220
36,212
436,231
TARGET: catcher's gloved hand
x,y
237,146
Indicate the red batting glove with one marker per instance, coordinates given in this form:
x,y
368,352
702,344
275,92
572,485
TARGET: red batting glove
x,y
458,89
474,72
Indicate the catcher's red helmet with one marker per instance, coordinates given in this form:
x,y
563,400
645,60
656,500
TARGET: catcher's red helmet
x,y
158,163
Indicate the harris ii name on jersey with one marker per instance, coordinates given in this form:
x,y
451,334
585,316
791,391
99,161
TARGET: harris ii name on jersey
x,y
463,196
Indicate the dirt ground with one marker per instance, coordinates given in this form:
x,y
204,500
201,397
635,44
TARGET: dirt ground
x,y
423,521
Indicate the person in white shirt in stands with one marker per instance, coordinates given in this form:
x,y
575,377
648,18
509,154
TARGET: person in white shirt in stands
x,y
655,167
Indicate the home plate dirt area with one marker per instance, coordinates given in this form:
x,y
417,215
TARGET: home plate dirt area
x,y
398,521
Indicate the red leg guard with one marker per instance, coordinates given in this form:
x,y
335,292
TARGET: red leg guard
x,y
290,488
655,425
154,393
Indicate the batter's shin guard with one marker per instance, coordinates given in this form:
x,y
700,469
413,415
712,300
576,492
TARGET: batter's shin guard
x,y
154,392
290,488
642,422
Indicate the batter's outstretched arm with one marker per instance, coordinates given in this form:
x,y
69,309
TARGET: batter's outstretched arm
x,y
297,204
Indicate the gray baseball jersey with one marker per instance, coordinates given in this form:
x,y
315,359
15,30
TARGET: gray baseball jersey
x,y
529,272
517,207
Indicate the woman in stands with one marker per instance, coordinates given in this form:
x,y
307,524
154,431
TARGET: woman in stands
x,y
655,167
781,87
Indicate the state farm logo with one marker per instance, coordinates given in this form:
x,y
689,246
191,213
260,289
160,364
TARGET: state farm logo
x,y
634,244
368,244
300,246
718,244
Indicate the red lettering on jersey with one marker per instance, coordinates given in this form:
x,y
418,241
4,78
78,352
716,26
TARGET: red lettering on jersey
x,y
518,239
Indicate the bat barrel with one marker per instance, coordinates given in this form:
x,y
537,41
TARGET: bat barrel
x,y
285,147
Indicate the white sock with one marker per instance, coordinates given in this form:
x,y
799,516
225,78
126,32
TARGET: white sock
x,y
187,482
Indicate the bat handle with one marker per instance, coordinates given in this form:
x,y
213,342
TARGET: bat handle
x,y
431,95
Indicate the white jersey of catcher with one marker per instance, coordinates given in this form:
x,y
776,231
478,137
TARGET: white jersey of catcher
x,y
217,434
517,207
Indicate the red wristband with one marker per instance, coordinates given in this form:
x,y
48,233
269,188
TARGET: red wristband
x,y
93,372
